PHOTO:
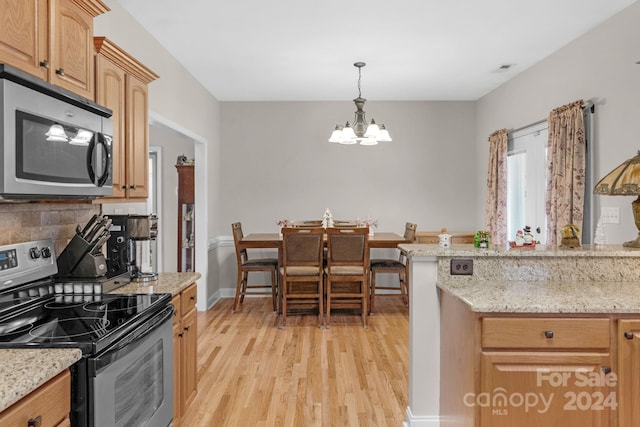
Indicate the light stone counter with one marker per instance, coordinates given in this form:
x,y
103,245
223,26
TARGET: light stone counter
x,y
24,370
168,283
590,279
546,297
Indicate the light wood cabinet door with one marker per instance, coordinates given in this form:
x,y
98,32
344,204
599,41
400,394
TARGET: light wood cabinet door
x,y
24,28
533,389
110,92
137,138
47,406
71,48
121,83
190,380
628,372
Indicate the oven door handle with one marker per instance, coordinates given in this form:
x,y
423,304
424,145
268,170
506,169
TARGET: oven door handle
x,y
120,349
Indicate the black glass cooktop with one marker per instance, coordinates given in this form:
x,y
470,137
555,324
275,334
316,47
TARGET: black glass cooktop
x,y
89,322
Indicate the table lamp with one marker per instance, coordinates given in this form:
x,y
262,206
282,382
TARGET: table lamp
x,y
624,181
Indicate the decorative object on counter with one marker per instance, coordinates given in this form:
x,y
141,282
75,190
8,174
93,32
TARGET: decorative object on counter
x,y
371,223
481,240
445,239
570,233
327,219
600,236
624,181
360,132
524,239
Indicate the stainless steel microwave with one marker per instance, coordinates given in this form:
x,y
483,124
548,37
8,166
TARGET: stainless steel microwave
x,y
54,144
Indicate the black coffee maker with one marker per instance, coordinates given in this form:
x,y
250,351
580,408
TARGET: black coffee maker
x,y
127,248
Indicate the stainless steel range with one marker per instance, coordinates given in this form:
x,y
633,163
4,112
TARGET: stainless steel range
x,y
125,377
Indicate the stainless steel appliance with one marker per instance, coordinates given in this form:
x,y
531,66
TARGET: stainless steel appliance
x,y
53,144
129,249
125,376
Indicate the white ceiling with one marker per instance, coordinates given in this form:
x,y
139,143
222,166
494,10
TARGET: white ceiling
x,y
304,50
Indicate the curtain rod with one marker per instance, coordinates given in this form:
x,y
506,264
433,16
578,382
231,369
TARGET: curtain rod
x,y
587,104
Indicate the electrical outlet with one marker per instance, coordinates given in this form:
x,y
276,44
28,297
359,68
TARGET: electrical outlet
x,y
461,267
610,215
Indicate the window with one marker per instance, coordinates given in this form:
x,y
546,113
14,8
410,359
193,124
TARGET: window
x,y
526,184
526,180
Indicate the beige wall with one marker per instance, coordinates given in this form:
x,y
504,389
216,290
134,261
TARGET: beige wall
x,y
600,67
279,164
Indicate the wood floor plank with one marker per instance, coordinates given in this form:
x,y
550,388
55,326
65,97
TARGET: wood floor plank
x,y
251,372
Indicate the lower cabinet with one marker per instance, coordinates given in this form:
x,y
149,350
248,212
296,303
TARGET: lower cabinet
x,y
47,406
532,370
185,351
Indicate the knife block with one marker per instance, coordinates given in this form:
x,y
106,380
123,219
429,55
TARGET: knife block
x,y
76,260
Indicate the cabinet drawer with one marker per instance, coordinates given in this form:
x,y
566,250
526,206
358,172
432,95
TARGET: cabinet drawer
x,y
189,298
545,333
177,309
51,402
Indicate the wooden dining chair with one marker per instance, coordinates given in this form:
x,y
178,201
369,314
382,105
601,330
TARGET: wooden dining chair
x,y
301,280
398,266
247,265
347,270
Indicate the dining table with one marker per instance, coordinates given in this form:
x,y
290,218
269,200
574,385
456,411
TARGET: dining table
x,y
379,240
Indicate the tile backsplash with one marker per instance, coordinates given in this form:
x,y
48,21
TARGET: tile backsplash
x,y
22,222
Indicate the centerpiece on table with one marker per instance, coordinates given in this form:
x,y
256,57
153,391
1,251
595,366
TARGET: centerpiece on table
x,y
283,223
371,223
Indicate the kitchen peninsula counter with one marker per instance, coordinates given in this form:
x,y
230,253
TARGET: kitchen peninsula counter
x,y
168,283
24,370
590,281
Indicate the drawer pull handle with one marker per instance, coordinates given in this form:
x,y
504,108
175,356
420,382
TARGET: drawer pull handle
x,y
548,334
628,335
35,422
606,369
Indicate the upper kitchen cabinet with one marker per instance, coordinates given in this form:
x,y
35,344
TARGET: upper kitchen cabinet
x,y
51,39
121,85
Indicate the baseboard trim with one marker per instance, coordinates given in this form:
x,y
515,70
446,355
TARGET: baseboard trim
x,y
420,421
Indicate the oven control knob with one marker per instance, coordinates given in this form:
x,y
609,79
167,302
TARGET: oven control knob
x,y
46,252
34,253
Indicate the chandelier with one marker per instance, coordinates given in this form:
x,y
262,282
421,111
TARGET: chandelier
x,y
360,132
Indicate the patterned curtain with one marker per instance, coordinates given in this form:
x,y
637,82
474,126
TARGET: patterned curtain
x,y
565,170
497,188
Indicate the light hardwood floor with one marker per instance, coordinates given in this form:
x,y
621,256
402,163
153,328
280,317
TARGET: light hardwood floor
x,y
253,374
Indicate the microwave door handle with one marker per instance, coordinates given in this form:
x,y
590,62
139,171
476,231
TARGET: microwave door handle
x,y
98,139
107,166
90,150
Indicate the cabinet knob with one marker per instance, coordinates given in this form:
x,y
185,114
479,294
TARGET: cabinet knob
x,y
186,328
628,335
548,334
132,187
192,298
60,71
35,422
44,63
180,335
606,369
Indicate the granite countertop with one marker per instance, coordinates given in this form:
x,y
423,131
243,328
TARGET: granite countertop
x,y
468,250
24,370
168,283
495,296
